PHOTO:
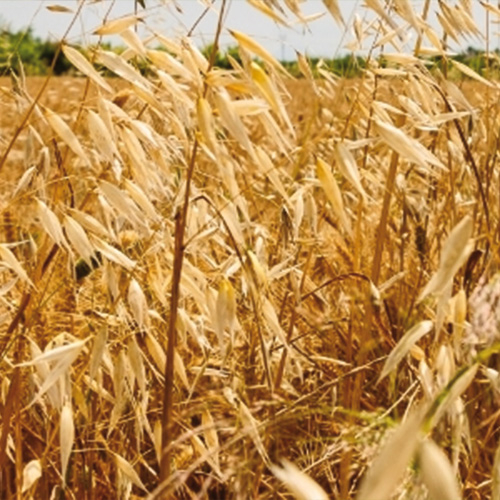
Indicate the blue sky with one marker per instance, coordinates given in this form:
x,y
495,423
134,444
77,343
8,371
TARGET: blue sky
x,y
320,38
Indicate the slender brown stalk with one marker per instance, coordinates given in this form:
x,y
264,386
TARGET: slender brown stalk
x,y
180,229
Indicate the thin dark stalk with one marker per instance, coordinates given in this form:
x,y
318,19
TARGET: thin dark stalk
x,y
180,229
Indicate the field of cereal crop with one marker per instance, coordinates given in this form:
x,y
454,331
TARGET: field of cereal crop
x,y
237,284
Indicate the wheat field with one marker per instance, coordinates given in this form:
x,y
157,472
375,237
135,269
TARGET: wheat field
x,y
233,284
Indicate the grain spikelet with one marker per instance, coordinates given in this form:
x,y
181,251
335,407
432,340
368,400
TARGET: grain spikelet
x,y
180,370
172,66
472,74
197,56
140,198
405,10
302,486
67,438
59,8
453,18
334,9
98,350
129,471
490,7
156,351
10,260
137,365
437,473
456,249
378,8
203,452
116,26
275,133
270,93
31,473
120,67
259,275
273,174
206,124
467,21
144,133
81,64
130,37
251,45
349,169
25,180
148,97
123,204
79,239
448,27
305,69
190,64
59,371
60,127
407,147
138,303
43,371
233,122
101,137
402,348
211,436
177,90
267,11
389,465
250,107
90,223
230,215
113,254
225,313
401,58
57,353
51,224
333,194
